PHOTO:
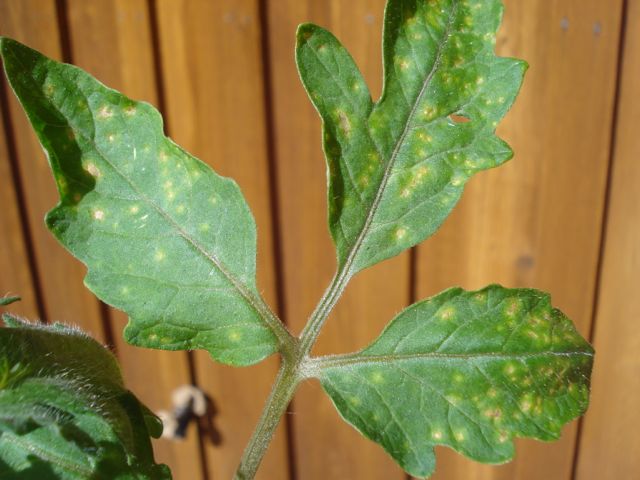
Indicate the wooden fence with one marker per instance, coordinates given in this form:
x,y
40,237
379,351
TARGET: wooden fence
x,y
563,216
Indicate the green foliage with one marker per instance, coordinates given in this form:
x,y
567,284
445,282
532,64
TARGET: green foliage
x,y
148,220
8,300
173,244
474,369
397,167
64,411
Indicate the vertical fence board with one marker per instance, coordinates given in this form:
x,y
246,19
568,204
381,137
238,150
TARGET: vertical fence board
x,y
215,101
536,221
326,446
610,444
112,41
34,22
16,277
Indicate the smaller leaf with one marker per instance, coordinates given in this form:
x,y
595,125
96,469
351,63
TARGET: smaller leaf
x,y
470,370
65,411
8,300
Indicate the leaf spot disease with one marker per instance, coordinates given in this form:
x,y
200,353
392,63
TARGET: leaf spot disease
x,y
105,112
400,233
93,170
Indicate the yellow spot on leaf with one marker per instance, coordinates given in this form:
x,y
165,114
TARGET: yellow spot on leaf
x,y
134,209
105,112
92,169
159,256
447,313
98,214
401,232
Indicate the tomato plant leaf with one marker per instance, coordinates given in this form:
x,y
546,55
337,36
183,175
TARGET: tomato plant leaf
x,y
64,410
164,238
397,167
470,370
8,300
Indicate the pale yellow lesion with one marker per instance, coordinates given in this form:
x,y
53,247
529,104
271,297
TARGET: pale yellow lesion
x,y
92,169
98,214
424,137
460,435
343,121
447,313
105,112
133,209
457,180
400,233
159,255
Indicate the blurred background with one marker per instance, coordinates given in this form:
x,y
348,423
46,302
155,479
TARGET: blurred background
x,y
562,216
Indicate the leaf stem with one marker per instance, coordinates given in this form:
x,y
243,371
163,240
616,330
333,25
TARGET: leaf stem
x,y
295,363
283,389
313,327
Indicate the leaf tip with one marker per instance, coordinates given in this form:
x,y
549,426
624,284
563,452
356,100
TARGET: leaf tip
x,y
304,32
9,299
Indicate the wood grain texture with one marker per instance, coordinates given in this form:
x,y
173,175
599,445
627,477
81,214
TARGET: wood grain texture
x,y
326,447
16,277
35,23
212,68
111,39
610,442
536,222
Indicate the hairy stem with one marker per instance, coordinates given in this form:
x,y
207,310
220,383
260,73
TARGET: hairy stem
x,y
293,370
313,327
281,394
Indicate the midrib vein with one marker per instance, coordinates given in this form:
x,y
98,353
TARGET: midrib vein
x,y
398,145
359,359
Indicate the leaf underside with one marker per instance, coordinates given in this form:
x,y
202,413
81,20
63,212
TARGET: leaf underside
x,y
164,238
64,411
398,166
469,370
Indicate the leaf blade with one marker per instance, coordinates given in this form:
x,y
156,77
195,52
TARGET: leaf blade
x,y
470,370
164,238
64,408
399,173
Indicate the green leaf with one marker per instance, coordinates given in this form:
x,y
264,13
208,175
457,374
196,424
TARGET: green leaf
x,y
470,370
64,410
8,300
164,238
398,167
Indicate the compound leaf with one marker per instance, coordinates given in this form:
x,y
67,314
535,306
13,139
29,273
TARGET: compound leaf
x,y
164,238
470,370
64,411
397,167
